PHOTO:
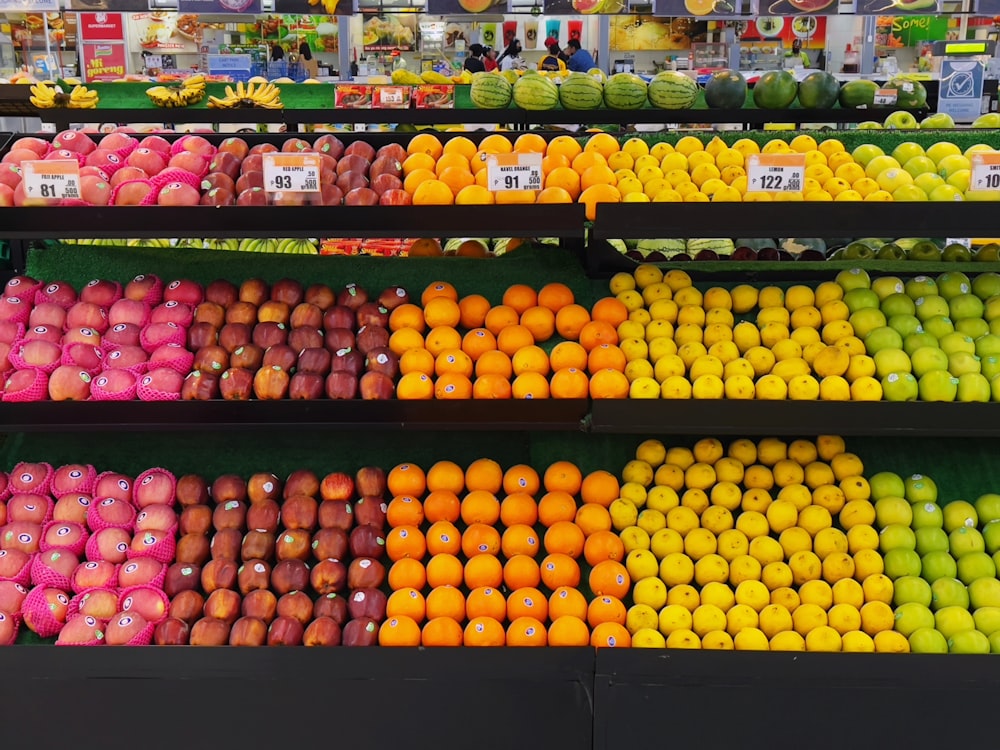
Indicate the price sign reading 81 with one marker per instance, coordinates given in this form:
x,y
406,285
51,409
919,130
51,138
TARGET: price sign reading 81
x,y
514,172
776,173
985,172
291,173
56,179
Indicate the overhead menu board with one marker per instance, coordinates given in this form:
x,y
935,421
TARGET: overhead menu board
x,y
458,7
314,7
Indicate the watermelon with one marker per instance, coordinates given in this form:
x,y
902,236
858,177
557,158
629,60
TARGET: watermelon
x,y
726,89
776,89
581,91
909,94
625,91
857,94
672,90
669,247
490,91
720,246
818,90
535,92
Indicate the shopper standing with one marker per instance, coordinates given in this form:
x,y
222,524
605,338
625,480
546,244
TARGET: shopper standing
x,y
580,61
552,61
489,59
277,53
511,58
474,62
306,58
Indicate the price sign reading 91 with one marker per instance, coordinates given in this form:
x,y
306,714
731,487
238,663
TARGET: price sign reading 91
x,y
56,179
985,172
514,172
776,173
291,173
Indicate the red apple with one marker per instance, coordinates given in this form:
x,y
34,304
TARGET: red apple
x,y
323,631
289,575
333,606
260,603
172,632
376,386
367,603
192,490
187,606
234,335
330,145
296,605
341,385
253,575
335,514
395,198
361,148
384,183
361,196
255,196
285,631
236,384
236,146
196,519
360,632
370,510
249,181
193,549
365,572
180,577
367,541
350,181
209,631
248,631
330,543
226,163
306,386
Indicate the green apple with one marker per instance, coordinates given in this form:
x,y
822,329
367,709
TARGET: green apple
x,y
953,283
996,559
973,388
937,565
960,180
937,385
869,125
891,361
974,328
901,562
987,619
956,252
938,326
861,299
994,643
990,252
883,286
928,358
880,164
897,536
901,120
911,615
991,368
964,541
991,534
958,514
866,319
931,539
908,193
990,120
927,516
948,165
887,484
986,285
949,592
857,251
965,306
969,642
890,251
900,386
974,566
927,641
962,363
904,325
939,121
920,489
988,345
920,286
948,193
995,326
992,308
930,306
956,342
897,303
984,590
928,181
995,387
906,151
941,149
919,165
868,151
853,278
918,341
911,589
988,510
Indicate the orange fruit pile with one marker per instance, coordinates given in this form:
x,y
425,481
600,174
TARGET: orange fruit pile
x,y
483,556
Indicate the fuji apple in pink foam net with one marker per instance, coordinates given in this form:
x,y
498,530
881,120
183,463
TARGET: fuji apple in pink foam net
x,y
8,628
184,290
113,484
66,534
27,506
142,571
21,535
157,334
44,610
155,487
47,314
42,333
100,603
26,385
87,315
82,630
128,629
172,356
145,288
37,354
31,477
172,311
68,383
83,357
94,574
15,309
148,601
123,334
74,140
113,385
110,544
72,507
21,286
15,565
53,568
11,332
110,512
12,597
161,384
156,543
101,292
156,143
131,311
125,357
57,292
156,517
73,478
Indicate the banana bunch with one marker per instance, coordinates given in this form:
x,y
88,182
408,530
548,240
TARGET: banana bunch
x,y
329,6
191,91
245,96
50,95
290,246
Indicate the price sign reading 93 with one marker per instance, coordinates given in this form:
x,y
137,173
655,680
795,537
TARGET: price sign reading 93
x,y
291,173
56,179
985,172
514,172
776,173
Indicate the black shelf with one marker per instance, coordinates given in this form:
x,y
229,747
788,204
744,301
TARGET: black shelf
x,y
748,418
812,219
746,116
50,416
565,221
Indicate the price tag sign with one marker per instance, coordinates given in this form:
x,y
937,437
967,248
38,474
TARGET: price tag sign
x,y
985,172
958,241
291,173
514,172
886,97
776,173
59,178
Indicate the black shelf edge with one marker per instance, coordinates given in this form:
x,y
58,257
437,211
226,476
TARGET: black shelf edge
x,y
748,116
514,415
810,219
294,221
849,418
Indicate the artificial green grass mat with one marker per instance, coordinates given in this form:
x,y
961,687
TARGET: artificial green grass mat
x,y
535,265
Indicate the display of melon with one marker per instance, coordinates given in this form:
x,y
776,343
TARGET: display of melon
x,y
672,90
719,246
776,89
726,89
535,92
818,90
581,91
490,91
625,91
909,94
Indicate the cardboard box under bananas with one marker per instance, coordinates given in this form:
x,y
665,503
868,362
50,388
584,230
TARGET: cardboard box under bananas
x,y
51,95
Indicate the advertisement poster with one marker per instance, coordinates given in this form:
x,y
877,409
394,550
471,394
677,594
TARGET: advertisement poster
x,y
810,31
165,32
122,6
702,8
906,31
898,7
101,27
27,31
797,7
391,31
219,6
457,7
321,32
309,7
647,33
102,61
584,7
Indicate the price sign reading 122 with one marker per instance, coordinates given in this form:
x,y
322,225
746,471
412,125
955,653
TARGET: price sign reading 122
x,y
291,173
56,179
514,172
776,173
985,172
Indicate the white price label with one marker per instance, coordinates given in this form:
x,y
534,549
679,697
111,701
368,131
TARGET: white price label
x,y
776,173
392,96
514,172
291,173
959,241
59,178
985,172
885,97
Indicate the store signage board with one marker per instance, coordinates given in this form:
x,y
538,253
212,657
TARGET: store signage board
x,y
228,63
514,172
291,173
897,7
985,171
219,6
317,7
28,6
776,173
102,27
56,179
961,92
103,61
709,9
460,7
585,7
122,6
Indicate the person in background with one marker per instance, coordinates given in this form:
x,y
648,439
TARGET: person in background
x,y
474,62
277,53
580,61
796,51
306,58
511,58
489,59
552,61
